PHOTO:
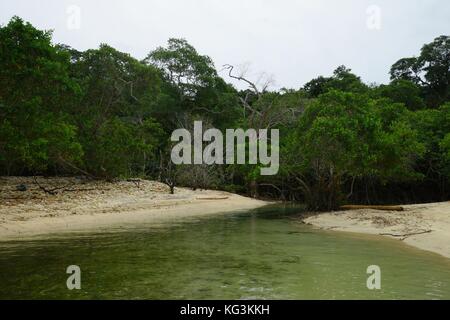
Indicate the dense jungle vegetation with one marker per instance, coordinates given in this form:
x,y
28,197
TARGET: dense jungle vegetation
x,y
103,114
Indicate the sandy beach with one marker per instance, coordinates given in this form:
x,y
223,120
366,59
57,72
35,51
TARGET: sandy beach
x,y
82,205
79,205
425,226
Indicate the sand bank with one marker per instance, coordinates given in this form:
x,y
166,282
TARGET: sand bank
x,y
425,226
89,206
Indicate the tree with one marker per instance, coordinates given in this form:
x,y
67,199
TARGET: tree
x,y
36,132
433,126
343,79
430,70
341,137
124,149
263,109
114,111
105,114
193,84
445,148
402,91
317,86
183,66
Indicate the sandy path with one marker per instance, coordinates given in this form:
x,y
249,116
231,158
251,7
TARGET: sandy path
x,y
425,226
91,206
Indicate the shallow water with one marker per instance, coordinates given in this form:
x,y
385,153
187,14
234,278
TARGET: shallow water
x,y
259,254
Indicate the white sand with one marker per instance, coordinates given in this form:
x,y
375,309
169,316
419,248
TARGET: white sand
x,y
90,206
425,226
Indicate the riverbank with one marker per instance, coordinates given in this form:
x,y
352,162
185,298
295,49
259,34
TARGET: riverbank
x,y
425,226
55,205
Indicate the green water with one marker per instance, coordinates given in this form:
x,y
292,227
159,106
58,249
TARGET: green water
x,y
260,254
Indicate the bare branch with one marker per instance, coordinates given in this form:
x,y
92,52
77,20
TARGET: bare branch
x,y
53,191
241,78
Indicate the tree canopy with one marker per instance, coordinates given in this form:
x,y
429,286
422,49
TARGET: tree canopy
x,y
105,114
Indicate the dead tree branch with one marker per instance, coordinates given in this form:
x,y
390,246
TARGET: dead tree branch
x,y
53,191
241,78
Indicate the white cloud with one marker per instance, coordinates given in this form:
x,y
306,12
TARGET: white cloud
x,y
293,40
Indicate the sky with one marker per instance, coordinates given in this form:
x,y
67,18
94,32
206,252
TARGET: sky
x,y
290,41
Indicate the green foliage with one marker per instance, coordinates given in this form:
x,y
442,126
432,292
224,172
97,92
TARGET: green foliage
x,y
342,136
48,143
343,79
445,146
402,91
433,126
105,113
430,70
193,85
114,112
36,132
124,149
62,108
183,66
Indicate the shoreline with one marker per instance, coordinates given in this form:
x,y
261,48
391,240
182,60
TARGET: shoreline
x,y
424,226
95,206
90,206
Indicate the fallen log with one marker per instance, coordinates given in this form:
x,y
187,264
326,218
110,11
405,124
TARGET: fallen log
x,y
406,235
213,198
385,208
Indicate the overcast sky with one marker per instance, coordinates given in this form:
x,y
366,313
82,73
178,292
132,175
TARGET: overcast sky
x,y
293,40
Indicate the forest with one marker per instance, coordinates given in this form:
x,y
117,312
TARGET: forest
x,y
103,114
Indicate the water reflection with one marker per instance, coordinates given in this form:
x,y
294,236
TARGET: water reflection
x,y
260,254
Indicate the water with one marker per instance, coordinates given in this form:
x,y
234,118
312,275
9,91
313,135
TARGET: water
x,y
260,254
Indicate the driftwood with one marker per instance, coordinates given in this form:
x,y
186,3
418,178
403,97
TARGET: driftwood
x,y
212,198
65,188
385,208
406,235
53,191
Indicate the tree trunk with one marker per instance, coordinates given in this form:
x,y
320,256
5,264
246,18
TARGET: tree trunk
x,y
254,189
